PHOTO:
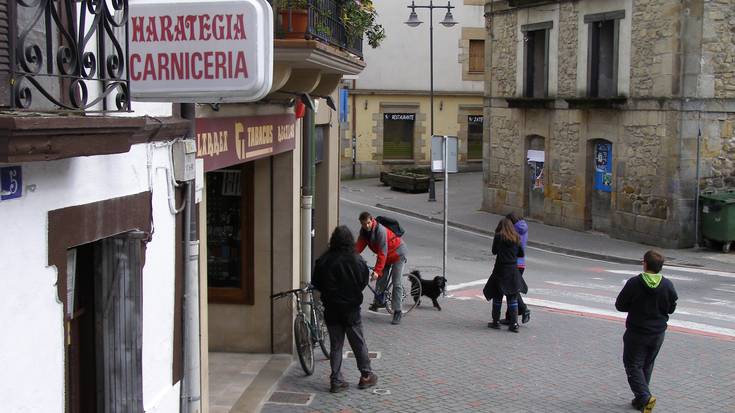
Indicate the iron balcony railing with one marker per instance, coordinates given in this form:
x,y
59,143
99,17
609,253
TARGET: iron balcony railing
x,y
64,55
324,23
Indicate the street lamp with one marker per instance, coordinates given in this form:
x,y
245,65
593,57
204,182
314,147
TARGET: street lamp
x,y
413,21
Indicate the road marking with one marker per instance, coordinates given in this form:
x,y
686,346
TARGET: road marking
x,y
585,285
702,271
725,290
674,324
667,275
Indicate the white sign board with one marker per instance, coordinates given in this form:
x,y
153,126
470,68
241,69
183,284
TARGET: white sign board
x,y
437,153
201,51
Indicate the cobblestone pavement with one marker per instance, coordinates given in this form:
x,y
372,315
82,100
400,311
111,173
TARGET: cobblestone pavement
x,y
449,361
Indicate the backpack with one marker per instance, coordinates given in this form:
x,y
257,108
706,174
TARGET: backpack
x,y
391,224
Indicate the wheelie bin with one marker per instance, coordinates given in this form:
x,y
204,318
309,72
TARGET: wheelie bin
x,y
718,218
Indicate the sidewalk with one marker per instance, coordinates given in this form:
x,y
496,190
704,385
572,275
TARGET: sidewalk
x,y
465,200
449,361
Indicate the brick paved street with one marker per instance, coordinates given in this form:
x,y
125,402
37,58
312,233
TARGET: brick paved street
x,y
449,361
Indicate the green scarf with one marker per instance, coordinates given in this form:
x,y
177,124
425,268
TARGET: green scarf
x,y
651,280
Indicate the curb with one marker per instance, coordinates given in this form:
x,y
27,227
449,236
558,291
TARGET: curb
x,y
535,244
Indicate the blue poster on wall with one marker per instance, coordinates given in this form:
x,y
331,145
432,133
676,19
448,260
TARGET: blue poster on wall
x,y
603,167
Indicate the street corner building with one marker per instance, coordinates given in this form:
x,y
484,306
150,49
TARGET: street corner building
x,y
150,206
609,115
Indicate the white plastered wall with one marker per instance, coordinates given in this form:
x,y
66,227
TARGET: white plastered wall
x,y
33,360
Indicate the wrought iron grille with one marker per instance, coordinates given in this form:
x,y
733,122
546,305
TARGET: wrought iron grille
x,y
325,24
69,55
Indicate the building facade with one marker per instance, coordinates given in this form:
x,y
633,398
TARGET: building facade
x,y
604,114
388,125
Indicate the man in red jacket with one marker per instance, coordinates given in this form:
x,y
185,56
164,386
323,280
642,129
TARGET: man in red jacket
x,y
391,257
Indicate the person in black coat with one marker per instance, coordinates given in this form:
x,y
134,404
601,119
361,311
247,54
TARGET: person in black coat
x,y
648,298
340,275
506,279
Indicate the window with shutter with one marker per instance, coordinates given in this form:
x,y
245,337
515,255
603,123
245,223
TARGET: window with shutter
x,y
477,56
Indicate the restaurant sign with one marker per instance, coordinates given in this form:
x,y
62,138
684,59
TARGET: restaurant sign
x,y
201,51
223,142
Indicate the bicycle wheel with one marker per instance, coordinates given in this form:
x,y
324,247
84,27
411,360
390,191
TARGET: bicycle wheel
x,y
302,336
411,293
322,333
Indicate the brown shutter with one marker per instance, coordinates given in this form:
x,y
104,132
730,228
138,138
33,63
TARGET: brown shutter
x,y
477,56
4,53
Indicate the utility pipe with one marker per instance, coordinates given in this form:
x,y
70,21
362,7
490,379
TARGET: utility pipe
x,y
307,193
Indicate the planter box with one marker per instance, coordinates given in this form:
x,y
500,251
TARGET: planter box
x,y
409,183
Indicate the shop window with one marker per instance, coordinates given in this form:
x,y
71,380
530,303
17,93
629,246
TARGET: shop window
x,y
398,136
536,59
474,137
602,54
230,235
477,56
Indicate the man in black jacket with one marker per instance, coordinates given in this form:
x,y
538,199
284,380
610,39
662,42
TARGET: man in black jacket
x,y
340,275
648,299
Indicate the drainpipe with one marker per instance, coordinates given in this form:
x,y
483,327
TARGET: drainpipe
x,y
307,191
191,383
354,130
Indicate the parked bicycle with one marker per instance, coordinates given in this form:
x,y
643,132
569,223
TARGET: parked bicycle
x,y
411,288
308,329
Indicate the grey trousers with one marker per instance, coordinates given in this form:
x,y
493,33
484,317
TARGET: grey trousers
x,y
393,272
354,335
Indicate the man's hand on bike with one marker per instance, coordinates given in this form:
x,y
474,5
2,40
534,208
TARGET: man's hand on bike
x,y
373,276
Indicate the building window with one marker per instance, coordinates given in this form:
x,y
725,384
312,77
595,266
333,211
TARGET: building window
x,y
602,54
398,136
477,56
474,137
536,59
230,235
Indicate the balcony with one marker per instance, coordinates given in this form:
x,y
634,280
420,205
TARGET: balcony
x,y
312,47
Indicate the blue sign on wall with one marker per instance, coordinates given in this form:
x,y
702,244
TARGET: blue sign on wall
x,y
603,167
11,182
343,99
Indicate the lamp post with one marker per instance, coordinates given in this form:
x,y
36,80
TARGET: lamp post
x,y
413,21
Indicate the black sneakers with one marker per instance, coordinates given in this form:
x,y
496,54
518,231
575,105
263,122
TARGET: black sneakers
x,y
338,386
367,381
513,328
375,306
494,324
397,317
526,316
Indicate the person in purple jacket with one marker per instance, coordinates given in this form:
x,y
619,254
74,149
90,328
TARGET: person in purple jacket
x,y
522,229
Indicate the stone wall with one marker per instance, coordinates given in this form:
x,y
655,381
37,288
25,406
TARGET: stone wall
x,y
503,183
718,142
564,197
718,46
568,44
503,71
655,30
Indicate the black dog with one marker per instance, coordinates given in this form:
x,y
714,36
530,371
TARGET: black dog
x,y
430,288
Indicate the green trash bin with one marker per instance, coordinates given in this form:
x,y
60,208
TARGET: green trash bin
x,y
718,218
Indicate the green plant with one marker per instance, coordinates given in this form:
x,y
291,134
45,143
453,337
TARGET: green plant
x,y
360,19
293,4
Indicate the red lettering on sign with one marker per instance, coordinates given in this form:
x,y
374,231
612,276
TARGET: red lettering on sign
x,y
197,74
150,69
137,29
204,28
240,65
179,31
163,66
208,64
134,74
166,35
239,28
218,27
150,31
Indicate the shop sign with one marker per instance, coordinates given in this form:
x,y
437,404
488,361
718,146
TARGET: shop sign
x,y
11,182
603,167
475,119
223,142
204,51
400,116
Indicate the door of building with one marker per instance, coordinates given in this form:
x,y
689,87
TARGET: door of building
x,y
535,157
601,196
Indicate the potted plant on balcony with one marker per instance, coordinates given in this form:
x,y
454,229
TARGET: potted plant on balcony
x,y
294,18
360,20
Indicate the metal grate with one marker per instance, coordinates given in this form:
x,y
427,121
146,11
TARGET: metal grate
x,y
291,398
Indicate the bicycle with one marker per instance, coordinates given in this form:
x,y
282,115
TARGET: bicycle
x,y
411,289
307,331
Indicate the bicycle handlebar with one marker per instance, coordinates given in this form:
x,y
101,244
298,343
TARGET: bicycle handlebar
x,y
282,294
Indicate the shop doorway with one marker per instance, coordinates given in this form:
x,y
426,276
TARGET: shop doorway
x,y
535,177
600,176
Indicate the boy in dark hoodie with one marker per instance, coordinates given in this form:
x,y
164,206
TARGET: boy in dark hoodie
x,y
648,299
